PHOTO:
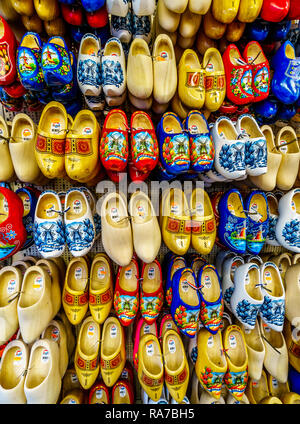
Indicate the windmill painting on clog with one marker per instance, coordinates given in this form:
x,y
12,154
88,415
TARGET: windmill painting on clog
x,y
56,62
257,221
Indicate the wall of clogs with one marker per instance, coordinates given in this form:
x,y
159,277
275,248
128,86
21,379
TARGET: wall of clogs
x,y
185,295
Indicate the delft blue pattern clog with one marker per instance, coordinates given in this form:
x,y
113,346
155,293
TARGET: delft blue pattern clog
x,y
201,144
185,315
173,144
68,92
257,221
29,62
175,262
233,221
141,27
56,62
49,233
29,200
89,66
286,78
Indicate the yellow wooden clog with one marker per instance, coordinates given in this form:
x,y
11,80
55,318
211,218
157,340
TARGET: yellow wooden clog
x,y
249,10
51,268
70,382
287,144
113,355
101,288
276,388
82,147
7,11
175,221
215,85
189,24
177,6
200,7
257,390
203,222
213,28
150,367
50,142
74,397
176,365
186,43
191,80
32,23
22,145
283,262
86,359
290,398
140,69
75,291
236,376
211,363
225,10
235,31
47,9
7,169
61,316
159,30
23,7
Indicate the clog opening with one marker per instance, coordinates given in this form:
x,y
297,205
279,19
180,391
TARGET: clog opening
x,y
272,281
116,213
32,289
128,280
235,264
112,48
235,206
90,339
141,121
77,203
23,130
214,347
255,54
121,395
141,211
287,141
21,265
268,133
213,62
48,207
253,339
152,357
256,260
290,52
116,121
40,366
201,204
275,338
54,121
151,278
78,276
173,353
178,264
100,274
84,124
251,127
273,204
59,41
236,348
191,60
171,125
112,338
163,49
198,124
3,208
90,47
187,293
31,42
227,130
210,285
296,200
9,286
139,46
258,207
234,56
197,264
12,368
99,396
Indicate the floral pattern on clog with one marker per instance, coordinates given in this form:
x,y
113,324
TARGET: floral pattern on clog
x,y
202,152
29,70
126,307
56,65
186,320
247,312
271,237
151,307
291,233
232,157
235,233
211,315
272,311
175,151
212,381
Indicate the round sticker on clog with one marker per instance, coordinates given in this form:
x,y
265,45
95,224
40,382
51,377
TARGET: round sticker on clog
x,y
77,206
11,286
147,329
26,204
174,208
128,273
210,341
168,325
18,356
87,131
210,67
50,210
38,283
282,146
230,207
113,331
268,276
149,348
26,134
45,355
91,331
99,394
124,374
55,127
151,273
207,282
101,273
55,334
141,212
184,286
72,402
163,56
122,391
232,341
247,330
78,273
74,378
114,213
193,129
171,345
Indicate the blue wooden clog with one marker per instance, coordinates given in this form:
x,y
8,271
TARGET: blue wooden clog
x,y
173,144
286,112
185,307
56,62
29,200
258,30
29,62
92,5
280,30
257,221
233,221
67,92
286,79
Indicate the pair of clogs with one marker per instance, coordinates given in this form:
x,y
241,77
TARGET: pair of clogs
x,y
55,226
243,10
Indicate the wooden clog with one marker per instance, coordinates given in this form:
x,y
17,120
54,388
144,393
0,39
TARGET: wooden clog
x,y
249,10
32,23
189,24
167,19
212,28
199,6
225,10
234,31
55,27
47,10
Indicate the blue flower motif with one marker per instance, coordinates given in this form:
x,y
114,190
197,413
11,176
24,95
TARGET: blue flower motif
x,y
112,73
247,312
10,235
291,233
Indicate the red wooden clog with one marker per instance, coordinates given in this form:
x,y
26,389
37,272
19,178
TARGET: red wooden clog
x,y
15,89
275,10
8,47
122,392
12,231
238,76
72,15
294,12
97,19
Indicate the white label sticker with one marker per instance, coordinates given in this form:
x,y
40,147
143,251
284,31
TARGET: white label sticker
x,y
87,131
232,341
114,213
26,134
74,378
26,203
174,209
38,283
122,391
49,210
268,276
247,279
171,345
91,331
55,127
101,272
168,325
184,286
141,212
283,149
5,205
200,208
99,394
18,357
266,328
207,282
55,334
77,206
128,273
45,355
147,329
210,341
113,331
78,273
11,287
151,273
149,349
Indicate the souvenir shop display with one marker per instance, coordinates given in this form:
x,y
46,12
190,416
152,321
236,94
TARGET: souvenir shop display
x,y
149,202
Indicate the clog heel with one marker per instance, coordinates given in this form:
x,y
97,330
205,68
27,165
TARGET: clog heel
x,y
50,142
287,145
23,7
215,84
82,147
22,145
56,62
249,10
225,11
191,84
7,168
47,10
